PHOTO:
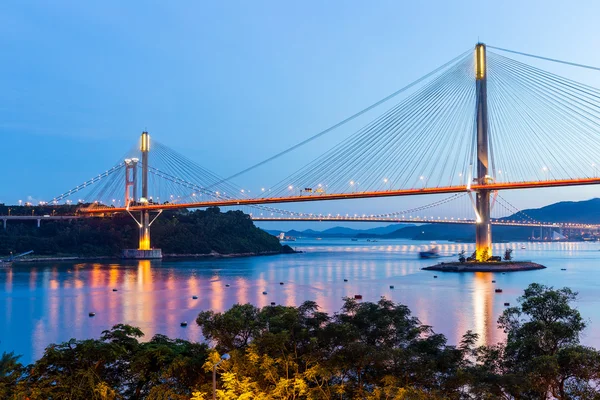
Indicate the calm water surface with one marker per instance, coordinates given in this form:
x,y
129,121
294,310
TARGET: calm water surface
x,y
47,303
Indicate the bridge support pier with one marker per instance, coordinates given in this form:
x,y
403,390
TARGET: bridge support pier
x,y
144,250
483,230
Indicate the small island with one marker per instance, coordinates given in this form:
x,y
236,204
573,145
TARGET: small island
x,y
490,264
180,234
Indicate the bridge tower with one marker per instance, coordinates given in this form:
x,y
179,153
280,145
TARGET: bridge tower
x,y
483,227
130,180
144,250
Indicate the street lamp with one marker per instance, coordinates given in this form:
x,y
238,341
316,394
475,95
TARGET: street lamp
x,y
224,357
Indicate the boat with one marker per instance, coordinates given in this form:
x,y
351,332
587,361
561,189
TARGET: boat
x,y
9,261
431,253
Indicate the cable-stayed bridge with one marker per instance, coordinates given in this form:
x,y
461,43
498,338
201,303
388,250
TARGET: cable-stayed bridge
x,y
478,125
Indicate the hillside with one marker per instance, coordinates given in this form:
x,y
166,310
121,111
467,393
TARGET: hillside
x,y
180,232
587,211
342,232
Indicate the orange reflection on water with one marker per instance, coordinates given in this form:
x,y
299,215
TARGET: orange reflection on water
x,y
216,295
483,308
241,288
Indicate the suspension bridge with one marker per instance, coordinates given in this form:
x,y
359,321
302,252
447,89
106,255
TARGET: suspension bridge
x,y
480,124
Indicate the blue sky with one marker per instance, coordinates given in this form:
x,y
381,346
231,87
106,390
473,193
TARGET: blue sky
x,y
230,83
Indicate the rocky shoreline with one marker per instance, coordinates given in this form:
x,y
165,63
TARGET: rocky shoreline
x,y
503,266
33,260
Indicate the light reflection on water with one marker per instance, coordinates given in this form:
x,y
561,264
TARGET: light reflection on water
x,y
45,303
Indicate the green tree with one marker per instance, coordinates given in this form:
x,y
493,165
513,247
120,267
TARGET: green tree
x,y
542,357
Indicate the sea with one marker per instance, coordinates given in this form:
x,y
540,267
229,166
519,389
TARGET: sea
x,y
50,302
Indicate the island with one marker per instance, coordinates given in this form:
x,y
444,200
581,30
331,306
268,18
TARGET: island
x,y
181,233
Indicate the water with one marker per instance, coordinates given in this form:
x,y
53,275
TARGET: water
x,y
48,303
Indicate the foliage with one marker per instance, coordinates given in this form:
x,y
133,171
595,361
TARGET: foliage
x,y
542,357
508,254
176,232
461,256
370,351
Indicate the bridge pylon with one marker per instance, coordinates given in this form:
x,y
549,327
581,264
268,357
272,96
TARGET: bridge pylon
x,y
144,250
483,227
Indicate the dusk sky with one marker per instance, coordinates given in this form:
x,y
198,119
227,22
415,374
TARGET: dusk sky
x,y
229,84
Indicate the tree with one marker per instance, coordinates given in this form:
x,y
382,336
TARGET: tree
x,y
508,254
542,357
461,256
11,372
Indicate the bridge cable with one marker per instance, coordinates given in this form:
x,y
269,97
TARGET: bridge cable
x,y
350,118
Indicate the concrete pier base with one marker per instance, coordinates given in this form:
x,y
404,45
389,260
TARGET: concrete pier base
x,y
137,254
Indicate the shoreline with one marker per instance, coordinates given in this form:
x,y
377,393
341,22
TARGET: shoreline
x,y
503,266
165,257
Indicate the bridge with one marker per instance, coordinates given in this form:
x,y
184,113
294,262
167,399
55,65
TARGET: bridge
x,y
480,124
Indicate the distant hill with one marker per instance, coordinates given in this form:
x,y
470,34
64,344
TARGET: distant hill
x,y
342,232
587,211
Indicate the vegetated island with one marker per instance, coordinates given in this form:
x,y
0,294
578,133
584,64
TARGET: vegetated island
x,y
182,233
491,264
474,266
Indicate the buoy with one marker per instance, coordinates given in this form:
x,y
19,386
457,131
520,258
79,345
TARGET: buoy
x,y
194,297
114,290
272,303
504,273
391,286
264,292
507,304
281,283
92,314
358,296
435,276
345,280
493,281
563,269
498,290
184,323
227,285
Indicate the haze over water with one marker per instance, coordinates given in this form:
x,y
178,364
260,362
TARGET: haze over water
x,y
49,302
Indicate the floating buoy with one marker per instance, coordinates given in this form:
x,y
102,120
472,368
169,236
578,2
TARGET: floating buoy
x,y
184,323
281,283
264,292
92,314
194,297
498,290
563,269
358,296
507,304
272,303
504,273
493,281
227,285
391,286
345,280
114,290
435,276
